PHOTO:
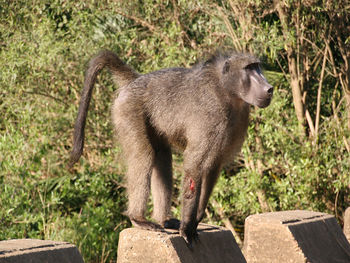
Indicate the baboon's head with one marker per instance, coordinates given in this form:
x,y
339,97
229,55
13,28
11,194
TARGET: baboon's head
x,y
242,76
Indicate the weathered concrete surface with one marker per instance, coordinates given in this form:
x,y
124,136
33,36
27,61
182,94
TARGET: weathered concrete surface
x,y
347,223
38,251
294,236
215,245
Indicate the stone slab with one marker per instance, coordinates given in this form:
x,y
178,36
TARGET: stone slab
x,y
215,244
38,251
295,236
347,224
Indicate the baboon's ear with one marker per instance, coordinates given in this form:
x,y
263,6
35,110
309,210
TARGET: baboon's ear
x,y
226,68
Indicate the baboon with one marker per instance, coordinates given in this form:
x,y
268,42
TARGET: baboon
x,y
202,110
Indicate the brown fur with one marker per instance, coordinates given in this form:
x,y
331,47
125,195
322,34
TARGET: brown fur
x,y
203,110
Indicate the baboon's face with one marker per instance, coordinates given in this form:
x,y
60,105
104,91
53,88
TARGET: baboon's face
x,y
252,86
255,88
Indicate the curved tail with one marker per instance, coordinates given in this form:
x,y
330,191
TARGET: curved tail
x,y
123,75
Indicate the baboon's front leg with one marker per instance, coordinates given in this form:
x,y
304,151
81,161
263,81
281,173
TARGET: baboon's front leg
x,y
201,172
208,184
190,200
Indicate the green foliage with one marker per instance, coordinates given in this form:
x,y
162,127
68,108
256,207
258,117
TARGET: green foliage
x,y
44,46
295,174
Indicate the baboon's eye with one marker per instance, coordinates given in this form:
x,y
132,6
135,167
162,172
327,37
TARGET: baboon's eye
x,y
226,68
253,66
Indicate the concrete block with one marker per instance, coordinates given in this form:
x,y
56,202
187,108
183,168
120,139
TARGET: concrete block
x,y
38,251
216,244
295,236
347,223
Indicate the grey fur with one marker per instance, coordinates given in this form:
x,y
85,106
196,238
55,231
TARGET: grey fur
x,y
203,111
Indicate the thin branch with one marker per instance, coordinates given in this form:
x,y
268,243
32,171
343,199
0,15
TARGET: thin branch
x,y
229,27
318,107
183,32
267,12
144,23
226,221
176,16
310,122
346,144
283,71
319,50
46,95
336,109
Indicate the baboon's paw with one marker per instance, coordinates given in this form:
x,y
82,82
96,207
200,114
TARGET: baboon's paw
x,y
147,225
172,223
189,234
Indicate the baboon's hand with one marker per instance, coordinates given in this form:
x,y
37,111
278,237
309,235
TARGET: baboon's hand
x,y
189,233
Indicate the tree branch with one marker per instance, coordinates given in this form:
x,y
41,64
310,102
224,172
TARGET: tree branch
x,y
318,105
144,23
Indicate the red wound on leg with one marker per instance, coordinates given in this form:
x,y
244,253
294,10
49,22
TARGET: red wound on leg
x,y
191,185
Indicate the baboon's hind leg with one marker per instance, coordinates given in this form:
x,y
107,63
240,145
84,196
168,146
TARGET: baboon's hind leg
x,y
162,187
139,155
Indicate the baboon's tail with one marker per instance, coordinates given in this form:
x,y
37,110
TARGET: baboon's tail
x,y
123,75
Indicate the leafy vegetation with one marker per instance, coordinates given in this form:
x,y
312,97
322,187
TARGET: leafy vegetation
x,y
296,155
